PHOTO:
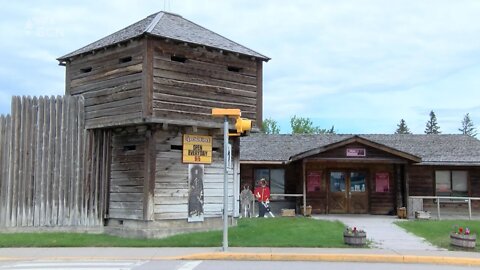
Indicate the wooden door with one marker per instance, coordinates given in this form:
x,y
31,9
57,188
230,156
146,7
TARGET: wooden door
x,y
338,194
357,193
347,192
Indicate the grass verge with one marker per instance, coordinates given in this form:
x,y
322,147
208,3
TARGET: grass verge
x,y
437,232
273,232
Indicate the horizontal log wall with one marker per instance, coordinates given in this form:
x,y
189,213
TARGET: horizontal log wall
x,y
43,164
111,82
127,173
190,89
421,181
171,178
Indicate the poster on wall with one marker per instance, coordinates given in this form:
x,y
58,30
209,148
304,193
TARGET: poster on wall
x,y
195,192
314,181
382,180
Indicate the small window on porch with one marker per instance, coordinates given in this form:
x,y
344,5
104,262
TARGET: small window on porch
x,y
451,183
275,178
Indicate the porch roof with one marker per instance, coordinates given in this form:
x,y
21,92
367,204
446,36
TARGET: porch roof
x,y
442,149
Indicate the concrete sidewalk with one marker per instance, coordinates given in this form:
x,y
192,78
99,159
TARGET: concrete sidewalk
x,y
266,254
383,233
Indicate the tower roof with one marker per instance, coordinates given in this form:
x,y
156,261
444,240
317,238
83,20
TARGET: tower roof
x,y
171,26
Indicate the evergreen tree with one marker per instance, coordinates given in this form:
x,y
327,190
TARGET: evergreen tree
x,y
270,126
402,128
301,125
467,126
432,125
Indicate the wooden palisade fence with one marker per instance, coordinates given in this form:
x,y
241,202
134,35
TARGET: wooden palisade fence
x,y
52,170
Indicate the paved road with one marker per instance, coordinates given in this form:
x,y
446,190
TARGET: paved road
x,y
382,232
213,265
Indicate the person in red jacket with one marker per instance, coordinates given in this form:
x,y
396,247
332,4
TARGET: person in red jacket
x,y
262,193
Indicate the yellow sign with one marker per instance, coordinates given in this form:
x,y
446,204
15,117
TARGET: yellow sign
x,y
197,149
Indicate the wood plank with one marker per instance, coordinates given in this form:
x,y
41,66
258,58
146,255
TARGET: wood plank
x,y
7,173
3,168
100,67
202,54
45,150
56,160
259,112
167,215
206,101
204,63
126,189
170,200
195,90
183,208
127,205
149,185
50,161
116,111
126,197
147,79
21,163
104,85
16,114
131,48
128,90
185,77
112,74
125,214
201,71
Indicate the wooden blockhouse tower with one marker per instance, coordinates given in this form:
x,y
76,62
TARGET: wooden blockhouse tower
x,y
146,86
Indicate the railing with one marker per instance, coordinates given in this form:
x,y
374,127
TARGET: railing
x,y
441,199
273,196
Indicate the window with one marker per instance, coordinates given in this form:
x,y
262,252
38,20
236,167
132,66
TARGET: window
x,y
125,59
178,58
451,183
275,178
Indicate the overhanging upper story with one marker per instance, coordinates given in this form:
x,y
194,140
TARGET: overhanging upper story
x,y
164,69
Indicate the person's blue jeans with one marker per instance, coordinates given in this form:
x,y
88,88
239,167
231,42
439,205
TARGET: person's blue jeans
x,y
261,209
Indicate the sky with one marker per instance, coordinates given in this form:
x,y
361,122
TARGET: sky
x,y
359,65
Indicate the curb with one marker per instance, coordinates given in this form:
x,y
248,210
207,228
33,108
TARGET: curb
x,y
334,258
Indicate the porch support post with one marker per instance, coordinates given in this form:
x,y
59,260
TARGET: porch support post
x,y
304,189
398,184
407,191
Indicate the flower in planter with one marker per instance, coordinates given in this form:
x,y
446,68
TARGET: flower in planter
x,y
461,230
353,231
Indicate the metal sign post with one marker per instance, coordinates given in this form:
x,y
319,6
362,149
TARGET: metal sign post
x,y
225,184
242,126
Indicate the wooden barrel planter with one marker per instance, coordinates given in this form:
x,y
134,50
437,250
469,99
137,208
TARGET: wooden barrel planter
x,y
355,239
462,240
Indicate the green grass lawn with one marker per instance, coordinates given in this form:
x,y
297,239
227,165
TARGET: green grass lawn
x,y
437,232
272,232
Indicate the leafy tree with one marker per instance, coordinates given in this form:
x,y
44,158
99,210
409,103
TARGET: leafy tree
x,y
432,125
301,125
270,126
467,126
402,128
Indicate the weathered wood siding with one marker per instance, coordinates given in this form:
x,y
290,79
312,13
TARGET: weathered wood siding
x,y
171,178
421,181
127,173
189,81
111,82
45,165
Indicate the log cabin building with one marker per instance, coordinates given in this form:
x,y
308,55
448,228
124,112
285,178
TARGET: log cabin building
x,y
149,87
360,174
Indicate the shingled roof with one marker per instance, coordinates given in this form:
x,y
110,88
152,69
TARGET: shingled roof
x,y
432,149
172,26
